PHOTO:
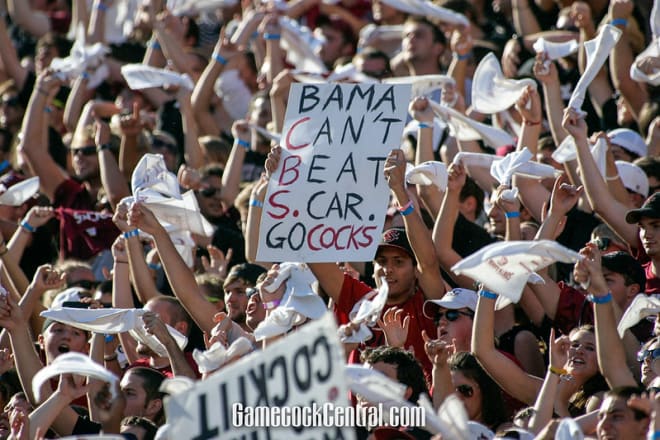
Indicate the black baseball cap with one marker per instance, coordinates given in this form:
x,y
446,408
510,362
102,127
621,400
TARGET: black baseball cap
x,y
396,237
623,263
650,208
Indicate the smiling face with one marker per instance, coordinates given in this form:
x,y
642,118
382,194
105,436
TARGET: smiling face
x,y
582,361
396,266
61,338
616,421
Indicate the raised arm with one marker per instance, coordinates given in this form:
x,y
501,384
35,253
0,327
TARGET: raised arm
x,y
419,236
121,293
114,182
35,22
622,58
609,347
503,370
192,151
443,231
34,143
231,178
156,327
10,59
180,276
612,211
421,111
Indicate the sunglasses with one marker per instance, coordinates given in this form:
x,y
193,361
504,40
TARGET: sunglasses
x,y
645,354
159,143
602,243
10,101
89,150
209,192
465,390
451,316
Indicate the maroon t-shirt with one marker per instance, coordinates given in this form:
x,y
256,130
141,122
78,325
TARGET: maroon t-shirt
x,y
353,290
83,234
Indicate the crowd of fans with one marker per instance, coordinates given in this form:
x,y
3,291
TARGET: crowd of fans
x,y
85,239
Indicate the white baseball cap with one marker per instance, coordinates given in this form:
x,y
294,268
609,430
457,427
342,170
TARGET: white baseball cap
x,y
633,177
628,140
457,298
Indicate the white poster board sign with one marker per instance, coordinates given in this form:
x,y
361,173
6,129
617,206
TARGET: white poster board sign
x,y
327,200
304,369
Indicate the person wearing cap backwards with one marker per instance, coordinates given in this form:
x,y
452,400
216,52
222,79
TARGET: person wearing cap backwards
x,y
405,259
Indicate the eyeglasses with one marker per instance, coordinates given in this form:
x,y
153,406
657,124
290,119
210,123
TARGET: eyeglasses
x,y
645,354
451,316
465,390
89,150
159,143
209,191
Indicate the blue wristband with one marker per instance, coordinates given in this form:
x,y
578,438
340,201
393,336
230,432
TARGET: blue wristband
x,y
424,125
619,22
155,45
220,59
514,214
655,435
4,165
600,299
242,143
272,36
486,294
467,56
134,233
408,210
102,7
28,227
257,203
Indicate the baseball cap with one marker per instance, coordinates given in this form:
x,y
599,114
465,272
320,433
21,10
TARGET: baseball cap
x,y
457,298
629,140
623,263
396,237
650,208
633,177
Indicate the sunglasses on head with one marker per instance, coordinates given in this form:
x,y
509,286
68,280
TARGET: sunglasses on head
x,y
465,390
645,354
89,150
451,315
602,243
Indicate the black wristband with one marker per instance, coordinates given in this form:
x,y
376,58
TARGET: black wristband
x,y
107,146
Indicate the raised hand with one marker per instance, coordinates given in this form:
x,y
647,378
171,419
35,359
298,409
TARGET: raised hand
x,y
395,328
218,263
47,278
437,351
564,196
39,215
456,177
395,169
529,106
574,124
420,109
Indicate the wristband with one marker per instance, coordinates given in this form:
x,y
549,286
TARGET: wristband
x,y
487,294
102,7
47,109
154,266
28,227
84,75
530,123
407,208
619,22
655,435
242,143
110,357
513,214
463,57
610,178
270,305
558,371
121,262
134,233
271,36
600,299
4,165
220,59
257,203
424,125
155,45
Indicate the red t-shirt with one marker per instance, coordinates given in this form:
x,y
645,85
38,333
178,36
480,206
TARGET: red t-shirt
x,y
652,280
353,290
74,195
